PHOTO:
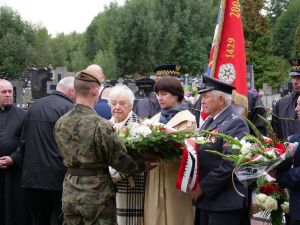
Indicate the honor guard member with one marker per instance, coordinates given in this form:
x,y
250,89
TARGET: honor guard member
x,y
148,107
284,118
215,198
89,145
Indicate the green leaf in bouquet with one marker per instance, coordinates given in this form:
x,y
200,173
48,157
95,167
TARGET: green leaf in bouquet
x,y
276,217
227,138
160,143
251,138
271,133
257,133
233,158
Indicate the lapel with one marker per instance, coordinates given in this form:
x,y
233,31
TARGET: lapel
x,y
206,123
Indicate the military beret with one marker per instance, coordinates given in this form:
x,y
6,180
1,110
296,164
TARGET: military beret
x,y
89,76
211,83
168,69
295,63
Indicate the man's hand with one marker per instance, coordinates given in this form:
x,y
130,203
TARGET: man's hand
x,y
150,164
194,195
5,161
273,173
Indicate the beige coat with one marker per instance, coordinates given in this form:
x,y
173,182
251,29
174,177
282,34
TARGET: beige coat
x,y
164,204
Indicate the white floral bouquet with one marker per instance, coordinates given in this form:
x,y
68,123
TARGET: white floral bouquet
x,y
254,155
156,139
272,200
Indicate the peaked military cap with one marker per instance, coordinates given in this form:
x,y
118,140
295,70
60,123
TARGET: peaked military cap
x,y
210,83
89,76
168,69
295,63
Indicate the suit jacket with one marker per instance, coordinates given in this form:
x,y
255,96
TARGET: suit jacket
x,y
284,119
290,178
215,173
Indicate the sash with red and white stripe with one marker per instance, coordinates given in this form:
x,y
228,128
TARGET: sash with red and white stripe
x,y
187,176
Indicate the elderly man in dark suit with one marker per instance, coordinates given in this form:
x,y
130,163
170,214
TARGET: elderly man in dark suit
x,y
215,198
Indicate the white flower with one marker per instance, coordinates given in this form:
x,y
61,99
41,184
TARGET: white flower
x,y
270,204
246,147
151,123
272,153
285,207
235,146
141,130
261,198
199,139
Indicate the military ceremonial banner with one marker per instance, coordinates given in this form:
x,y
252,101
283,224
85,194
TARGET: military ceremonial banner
x,y
227,60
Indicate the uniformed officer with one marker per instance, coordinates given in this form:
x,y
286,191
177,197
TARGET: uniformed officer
x,y
215,198
148,107
284,118
89,145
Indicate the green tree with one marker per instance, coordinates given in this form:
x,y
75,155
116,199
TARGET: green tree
x,y
285,28
42,53
76,59
297,42
59,48
145,33
196,23
259,49
274,8
15,38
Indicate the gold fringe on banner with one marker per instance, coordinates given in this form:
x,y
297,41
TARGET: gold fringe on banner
x,y
241,101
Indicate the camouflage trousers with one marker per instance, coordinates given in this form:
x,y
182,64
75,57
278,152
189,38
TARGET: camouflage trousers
x,y
83,214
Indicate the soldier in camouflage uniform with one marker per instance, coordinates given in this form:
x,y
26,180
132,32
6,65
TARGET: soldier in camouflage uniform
x,y
89,145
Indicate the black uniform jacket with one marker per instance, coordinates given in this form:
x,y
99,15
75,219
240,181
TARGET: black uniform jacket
x,y
215,173
284,119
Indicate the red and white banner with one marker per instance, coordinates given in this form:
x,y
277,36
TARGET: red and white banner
x,y
227,60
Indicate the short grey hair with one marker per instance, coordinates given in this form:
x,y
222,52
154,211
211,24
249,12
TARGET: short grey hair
x,y
227,97
65,83
122,90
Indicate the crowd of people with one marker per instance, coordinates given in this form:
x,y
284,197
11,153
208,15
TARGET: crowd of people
x,y
62,162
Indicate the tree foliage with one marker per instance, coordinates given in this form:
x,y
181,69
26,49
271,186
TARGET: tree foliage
x,y
267,67
15,39
285,29
274,8
142,34
133,38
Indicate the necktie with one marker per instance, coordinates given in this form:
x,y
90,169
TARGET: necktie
x,y
207,123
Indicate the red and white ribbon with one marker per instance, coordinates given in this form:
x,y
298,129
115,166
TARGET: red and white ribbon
x,y
187,176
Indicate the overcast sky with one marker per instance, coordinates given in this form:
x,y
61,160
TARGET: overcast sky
x,y
59,15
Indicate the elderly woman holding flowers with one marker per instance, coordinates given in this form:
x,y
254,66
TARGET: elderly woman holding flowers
x,y
164,204
130,189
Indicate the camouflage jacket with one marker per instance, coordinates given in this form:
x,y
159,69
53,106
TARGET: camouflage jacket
x,y
87,141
